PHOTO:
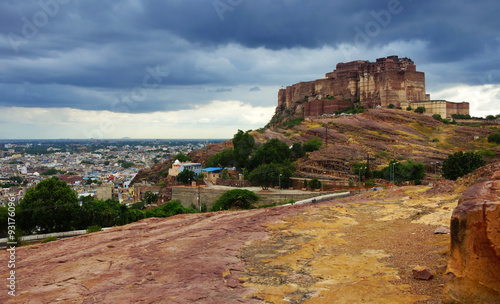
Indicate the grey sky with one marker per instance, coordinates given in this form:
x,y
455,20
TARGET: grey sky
x,y
117,62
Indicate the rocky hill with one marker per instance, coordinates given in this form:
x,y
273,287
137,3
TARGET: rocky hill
x,y
382,135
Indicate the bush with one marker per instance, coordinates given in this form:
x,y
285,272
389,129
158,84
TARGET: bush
x,y
487,153
315,184
370,183
237,198
437,117
95,228
494,138
49,239
312,145
409,108
460,164
391,106
420,110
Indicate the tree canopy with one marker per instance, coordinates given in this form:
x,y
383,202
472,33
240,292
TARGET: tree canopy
x,y
244,145
50,206
186,176
237,198
268,175
460,164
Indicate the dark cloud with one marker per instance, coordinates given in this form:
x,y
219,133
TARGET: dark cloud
x,y
107,47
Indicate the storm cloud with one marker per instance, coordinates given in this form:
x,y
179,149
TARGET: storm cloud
x,y
134,56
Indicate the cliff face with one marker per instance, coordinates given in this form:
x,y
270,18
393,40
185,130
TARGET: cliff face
x,y
390,80
473,274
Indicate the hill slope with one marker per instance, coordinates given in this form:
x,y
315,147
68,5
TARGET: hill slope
x,y
383,134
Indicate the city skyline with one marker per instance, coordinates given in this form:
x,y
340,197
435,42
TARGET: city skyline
x,y
184,69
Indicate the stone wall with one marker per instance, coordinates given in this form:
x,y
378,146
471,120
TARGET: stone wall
x,y
189,195
456,108
319,107
390,80
473,274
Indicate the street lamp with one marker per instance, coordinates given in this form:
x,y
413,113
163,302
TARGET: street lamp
x,y
361,168
392,173
435,170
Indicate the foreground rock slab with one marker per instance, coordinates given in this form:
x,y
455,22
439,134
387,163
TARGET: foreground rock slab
x,y
474,265
359,249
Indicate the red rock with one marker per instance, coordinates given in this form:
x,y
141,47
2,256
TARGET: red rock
x,y
421,273
474,266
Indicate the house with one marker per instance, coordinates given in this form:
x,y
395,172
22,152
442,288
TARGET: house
x,y
178,167
212,174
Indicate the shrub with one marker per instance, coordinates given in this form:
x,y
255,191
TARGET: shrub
x,y
391,106
420,110
494,138
315,183
437,117
237,198
460,164
94,228
409,108
370,183
435,140
312,145
49,239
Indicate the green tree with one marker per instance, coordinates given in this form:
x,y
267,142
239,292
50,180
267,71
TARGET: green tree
x,y
237,198
225,158
186,176
312,145
297,151
420,110
150,197
494,138
391,106
51,206
181,157
268,175
244,145
273,151
460,164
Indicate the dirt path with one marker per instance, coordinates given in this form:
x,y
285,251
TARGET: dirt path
x,y
354,250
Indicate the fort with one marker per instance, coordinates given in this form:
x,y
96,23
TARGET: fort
x,y
388,81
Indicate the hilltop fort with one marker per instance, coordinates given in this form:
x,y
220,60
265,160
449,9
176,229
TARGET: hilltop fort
x,y
388,81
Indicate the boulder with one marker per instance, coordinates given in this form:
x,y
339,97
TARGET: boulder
x,y
442,230
473,274
422,273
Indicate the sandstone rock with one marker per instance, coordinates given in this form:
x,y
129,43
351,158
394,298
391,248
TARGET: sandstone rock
x,y
442,230
441,269
421,273
474,267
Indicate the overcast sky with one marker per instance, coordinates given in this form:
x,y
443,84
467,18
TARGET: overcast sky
x,y
206,68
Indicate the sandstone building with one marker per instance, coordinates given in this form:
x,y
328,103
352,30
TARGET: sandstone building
x,y
387,81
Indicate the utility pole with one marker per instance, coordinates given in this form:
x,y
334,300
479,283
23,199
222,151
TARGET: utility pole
x,y
326,136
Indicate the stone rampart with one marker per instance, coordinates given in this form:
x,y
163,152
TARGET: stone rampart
x,y
189,195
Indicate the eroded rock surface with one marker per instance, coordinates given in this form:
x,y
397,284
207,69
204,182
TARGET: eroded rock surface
x,y
474,265
360,249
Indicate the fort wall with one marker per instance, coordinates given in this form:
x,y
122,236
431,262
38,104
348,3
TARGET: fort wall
x,y
387,81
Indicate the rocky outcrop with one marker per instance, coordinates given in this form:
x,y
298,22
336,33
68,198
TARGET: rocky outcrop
x,y
473,274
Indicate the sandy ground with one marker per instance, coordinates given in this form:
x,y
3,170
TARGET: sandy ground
x,y
361,249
